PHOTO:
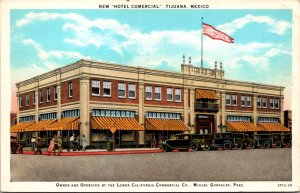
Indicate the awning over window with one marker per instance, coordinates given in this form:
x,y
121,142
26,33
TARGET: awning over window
x,y
241,126
116,123
67,123
40,126
272,127
166,125
20,127
206,94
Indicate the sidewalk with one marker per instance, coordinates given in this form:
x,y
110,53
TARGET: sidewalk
x,y
100,151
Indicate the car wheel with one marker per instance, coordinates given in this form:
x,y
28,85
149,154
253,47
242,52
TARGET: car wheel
x,y
251,145
206,146
239,145
278,144
194,146
267,145
289,143
165,148
227,145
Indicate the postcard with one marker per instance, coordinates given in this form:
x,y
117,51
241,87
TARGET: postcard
x,y
139,96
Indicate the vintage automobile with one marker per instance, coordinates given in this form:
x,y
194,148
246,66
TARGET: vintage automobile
x,y
183,142
281,139
204,141
15,146
243,140
223,140
263,140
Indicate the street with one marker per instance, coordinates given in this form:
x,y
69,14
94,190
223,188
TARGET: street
x,y
233,165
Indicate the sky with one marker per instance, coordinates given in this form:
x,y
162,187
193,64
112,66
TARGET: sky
x,y
43,40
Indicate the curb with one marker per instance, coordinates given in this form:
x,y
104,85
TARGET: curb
x,y
95,153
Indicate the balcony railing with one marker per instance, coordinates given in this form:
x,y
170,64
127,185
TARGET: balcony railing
x,y
205,106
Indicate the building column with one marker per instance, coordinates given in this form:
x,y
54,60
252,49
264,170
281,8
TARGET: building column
x,y
223,112
141,113
84,108
36,107
219,113
192,110
18,107
281,111
59,133
255,110
186,107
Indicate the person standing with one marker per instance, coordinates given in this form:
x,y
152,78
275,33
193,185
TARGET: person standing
x,y
71,142
83,141
38,146
51,146
59,145
33,143
160,140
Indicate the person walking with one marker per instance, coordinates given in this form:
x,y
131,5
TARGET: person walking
x,y
71,142
33,143
83,141
51,146
38,146
59,145
160,141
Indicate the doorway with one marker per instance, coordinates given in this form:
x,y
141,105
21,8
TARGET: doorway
x,y
205,124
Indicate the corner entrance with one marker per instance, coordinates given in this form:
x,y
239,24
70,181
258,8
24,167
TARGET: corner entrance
x,y
205,124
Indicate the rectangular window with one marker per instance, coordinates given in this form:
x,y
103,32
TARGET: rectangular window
x,y
48,94
33,98
249,99
228,99
178,95
122,90
41,96
157,93
107,88
95,88
243,101
276,103
259,102
169,94
70,89
148,92
271,103
55,93
131,91
234,100
264,102
27,100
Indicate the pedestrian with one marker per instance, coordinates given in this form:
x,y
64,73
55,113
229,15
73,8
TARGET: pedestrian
x,y
153,141
33,143
71,142
38,146
83,141
76,143
59,145
160,141
51,146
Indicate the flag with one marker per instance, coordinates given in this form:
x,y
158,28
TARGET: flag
x,y
215,34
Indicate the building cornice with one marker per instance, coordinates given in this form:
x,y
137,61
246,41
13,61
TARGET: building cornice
x,y
145,71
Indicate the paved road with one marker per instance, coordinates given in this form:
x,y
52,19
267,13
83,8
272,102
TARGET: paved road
x,y
245,165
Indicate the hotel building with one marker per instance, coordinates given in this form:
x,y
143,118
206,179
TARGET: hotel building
x,y
103,100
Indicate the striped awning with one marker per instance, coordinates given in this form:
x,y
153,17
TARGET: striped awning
x,y
166,125
40,126
20,127
206,94
241,126
272,127
66,123
116,123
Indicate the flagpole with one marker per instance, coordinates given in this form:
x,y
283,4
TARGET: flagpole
x,y
201,42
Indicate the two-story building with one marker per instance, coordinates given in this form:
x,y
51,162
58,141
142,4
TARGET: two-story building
x,y
101,100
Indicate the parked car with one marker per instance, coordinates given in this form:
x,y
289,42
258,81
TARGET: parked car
x,y
204,141
223,140
281,139
263,140
15,146
182,141
243,140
